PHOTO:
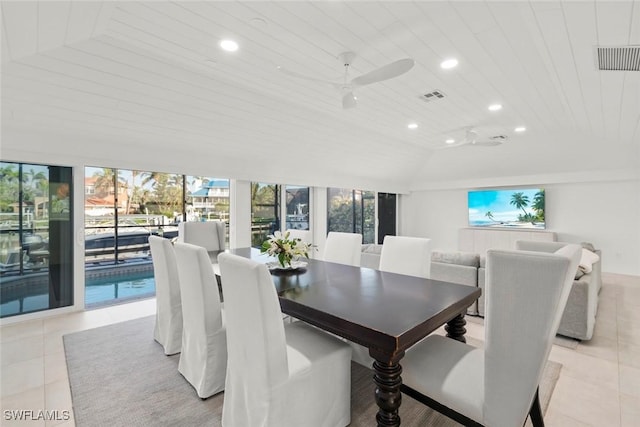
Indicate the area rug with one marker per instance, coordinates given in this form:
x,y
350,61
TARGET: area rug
x,y
120,376
557,340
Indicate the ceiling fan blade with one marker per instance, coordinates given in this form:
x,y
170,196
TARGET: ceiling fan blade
x,y
386,72
349,100
302,76
490,143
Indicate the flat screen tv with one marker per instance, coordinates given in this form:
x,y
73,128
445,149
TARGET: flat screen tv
x,y
510,208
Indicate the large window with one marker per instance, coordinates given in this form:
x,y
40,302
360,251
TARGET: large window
x,y
277,207
36,238
297,205
207,200
351,211
265,211
123,208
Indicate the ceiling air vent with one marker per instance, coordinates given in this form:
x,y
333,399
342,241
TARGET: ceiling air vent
x,y
620,58
432,96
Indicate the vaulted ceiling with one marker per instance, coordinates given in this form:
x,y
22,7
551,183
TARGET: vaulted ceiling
x,y
130,84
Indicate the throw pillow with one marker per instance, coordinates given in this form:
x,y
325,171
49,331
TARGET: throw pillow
x,y
587,260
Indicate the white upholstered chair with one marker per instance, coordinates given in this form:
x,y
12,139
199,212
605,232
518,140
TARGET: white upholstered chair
x,y
498,386
279,375
343,248
203,361
168,328
406,255
305,235
209,234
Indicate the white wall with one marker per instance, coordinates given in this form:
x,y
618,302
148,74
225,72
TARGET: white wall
x,y
604,213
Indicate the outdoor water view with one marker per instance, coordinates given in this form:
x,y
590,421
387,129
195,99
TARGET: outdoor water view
x,y
122,208
35,237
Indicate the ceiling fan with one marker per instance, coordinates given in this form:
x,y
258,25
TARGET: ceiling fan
x,y
347,86
472,138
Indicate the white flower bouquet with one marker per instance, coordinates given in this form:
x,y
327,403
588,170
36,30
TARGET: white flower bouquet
x,y
286,250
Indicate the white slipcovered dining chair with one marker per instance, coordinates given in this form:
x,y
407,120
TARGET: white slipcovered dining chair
x,y
406,255
208,234
305,235
278,375
401,255
203,361
168,328
498,386
343,248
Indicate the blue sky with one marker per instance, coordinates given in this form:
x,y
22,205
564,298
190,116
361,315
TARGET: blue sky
x,y
498,202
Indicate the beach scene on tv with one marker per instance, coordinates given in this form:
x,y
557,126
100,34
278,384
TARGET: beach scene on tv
x,y
521,208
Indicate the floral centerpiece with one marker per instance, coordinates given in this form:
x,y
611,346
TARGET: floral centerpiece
x,y
286,250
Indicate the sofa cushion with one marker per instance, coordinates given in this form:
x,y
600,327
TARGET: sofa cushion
x,y
456,257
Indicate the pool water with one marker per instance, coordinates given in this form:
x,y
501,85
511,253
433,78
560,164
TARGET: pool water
x,y
32,297
108,290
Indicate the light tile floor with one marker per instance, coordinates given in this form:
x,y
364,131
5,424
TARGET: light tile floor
x,y
599,383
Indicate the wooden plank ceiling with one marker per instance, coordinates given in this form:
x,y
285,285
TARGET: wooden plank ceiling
x,y
151,75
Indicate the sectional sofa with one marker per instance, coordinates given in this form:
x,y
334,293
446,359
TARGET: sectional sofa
x,y
469,268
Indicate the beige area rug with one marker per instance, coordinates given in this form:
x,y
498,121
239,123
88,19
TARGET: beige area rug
x,y
120,376
557,340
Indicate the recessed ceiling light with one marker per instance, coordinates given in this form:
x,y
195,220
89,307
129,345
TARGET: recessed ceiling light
x,y
495,107
412,126
229,45
520,129
450,141
449,63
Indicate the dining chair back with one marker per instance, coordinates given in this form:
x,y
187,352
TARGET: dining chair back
x,y
277,378
498,386
203,360
168,327
402,255
306,236
406,255
343,248
210,235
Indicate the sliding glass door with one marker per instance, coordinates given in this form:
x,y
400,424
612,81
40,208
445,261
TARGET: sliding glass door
x,y
36,238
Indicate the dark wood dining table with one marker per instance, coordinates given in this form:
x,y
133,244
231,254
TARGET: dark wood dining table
x,y
385,312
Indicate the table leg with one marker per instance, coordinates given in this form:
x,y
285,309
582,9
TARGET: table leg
x,y
455,328
388,397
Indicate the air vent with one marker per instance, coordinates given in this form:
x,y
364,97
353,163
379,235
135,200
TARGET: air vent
x,y
621,58
499,138
432,96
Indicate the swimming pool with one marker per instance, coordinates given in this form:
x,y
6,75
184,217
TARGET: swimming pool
x,y
114,289
103,286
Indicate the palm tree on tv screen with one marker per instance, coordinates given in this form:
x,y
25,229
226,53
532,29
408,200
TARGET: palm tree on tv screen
x,y
538,205
520,201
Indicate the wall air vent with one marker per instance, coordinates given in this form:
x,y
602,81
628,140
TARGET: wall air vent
x,y
432,96
620,58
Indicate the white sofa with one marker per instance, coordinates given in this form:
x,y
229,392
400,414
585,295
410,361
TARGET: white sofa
x,y
579,317
456,267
